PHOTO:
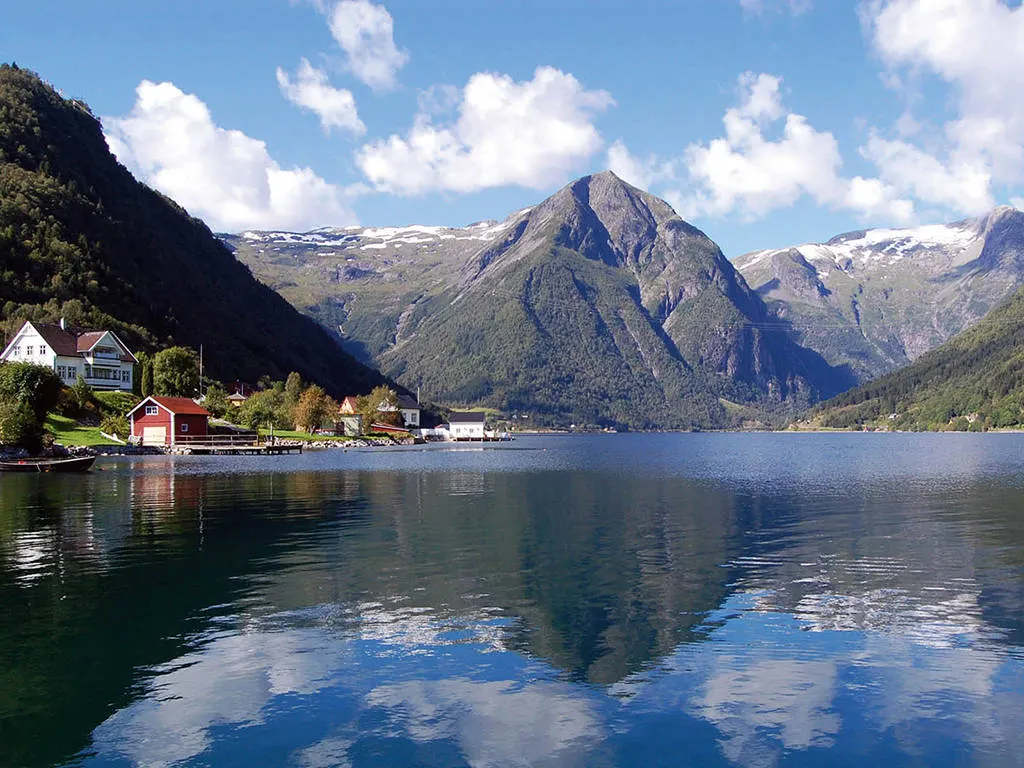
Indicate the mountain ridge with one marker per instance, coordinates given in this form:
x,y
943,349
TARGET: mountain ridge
x,y
878,299
600,282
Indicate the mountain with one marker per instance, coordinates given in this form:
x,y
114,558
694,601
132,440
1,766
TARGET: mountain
x,y
598,306
973,381
875,300
81,238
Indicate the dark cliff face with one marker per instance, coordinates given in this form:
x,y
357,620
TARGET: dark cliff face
x,y
601,302
79,235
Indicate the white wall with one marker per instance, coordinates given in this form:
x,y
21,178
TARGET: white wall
x,y
466,430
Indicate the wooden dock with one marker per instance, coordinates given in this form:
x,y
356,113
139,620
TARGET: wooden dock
x,y
241,444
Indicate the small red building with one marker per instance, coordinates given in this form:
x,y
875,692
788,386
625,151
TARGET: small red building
x,y
164,420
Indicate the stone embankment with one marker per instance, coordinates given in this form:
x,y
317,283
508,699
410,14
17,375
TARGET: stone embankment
x,y
362,442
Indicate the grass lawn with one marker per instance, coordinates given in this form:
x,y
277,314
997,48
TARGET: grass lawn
x,y
486,411
69,432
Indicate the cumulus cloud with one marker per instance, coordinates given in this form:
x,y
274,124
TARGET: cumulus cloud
x,y
972,45
747,173
530,133
170,141
640,172
365,31
962,184
310,90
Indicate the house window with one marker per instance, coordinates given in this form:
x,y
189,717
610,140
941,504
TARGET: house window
x,y
152,410
125,375
29,349
184,427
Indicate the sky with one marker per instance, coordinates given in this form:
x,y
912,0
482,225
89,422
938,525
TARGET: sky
x,y
766,123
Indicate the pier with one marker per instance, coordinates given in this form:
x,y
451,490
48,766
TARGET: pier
x,y
240,444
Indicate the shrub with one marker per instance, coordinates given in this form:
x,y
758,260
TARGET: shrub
x,y
115,425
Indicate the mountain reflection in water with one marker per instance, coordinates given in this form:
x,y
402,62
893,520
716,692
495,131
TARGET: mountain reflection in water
x,y
614,600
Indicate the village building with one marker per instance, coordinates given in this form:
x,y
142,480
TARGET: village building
x,y
236,399
350,422
467,426
410,410
98,357
161,420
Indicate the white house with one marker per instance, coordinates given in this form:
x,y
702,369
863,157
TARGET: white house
x,y
410,409
467,426
99,357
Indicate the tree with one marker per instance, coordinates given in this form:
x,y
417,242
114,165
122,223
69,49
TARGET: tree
x,y
380,406
176,372
82,393
216,401
313,409
139,379
293,388
27,394
146,386
264,409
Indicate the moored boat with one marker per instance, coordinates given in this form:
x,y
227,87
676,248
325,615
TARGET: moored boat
x,y
73,464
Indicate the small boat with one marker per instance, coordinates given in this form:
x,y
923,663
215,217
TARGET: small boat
x,y
73,464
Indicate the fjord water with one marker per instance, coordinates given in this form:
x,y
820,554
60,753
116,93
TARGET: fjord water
x,y
620,600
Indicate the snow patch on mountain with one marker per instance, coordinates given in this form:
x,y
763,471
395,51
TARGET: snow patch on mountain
x,y
877,248
378,238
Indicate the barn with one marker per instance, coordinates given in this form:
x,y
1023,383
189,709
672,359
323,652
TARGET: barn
x,y
165,420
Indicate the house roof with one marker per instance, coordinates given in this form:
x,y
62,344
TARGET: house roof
x,y
408,401
348,404
389,429
237,396
89,339
468,417
63,342
179,406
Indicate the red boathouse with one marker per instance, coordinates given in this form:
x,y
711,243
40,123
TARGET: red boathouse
x,y
164,420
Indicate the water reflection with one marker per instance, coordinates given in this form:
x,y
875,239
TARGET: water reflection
x,y
165,612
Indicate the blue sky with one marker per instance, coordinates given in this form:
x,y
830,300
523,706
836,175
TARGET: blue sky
x,y
764,122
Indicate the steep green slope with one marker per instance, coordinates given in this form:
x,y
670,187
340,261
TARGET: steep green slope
x,y
973,381
81,238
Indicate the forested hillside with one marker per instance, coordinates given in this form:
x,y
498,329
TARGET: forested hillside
x,y
974,381
82,239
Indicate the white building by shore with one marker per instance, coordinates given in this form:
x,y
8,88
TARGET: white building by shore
x,y
99,357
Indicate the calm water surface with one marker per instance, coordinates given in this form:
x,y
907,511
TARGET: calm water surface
x,y
620,600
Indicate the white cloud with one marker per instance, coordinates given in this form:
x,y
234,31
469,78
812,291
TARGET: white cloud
x,y
530,133
746,173
310,90
974,46
642,173
365,31
759,7
227,178
959,185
